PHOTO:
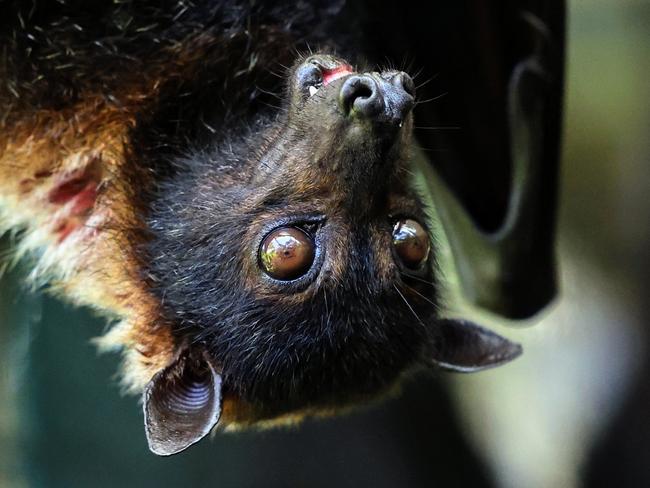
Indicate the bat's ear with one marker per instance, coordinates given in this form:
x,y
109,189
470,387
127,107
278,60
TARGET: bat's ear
x,y
466,347
182,403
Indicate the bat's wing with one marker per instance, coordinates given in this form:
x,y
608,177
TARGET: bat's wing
x,y
491,76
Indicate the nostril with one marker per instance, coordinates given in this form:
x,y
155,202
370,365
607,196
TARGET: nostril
x,y
404,81
361,94
363,91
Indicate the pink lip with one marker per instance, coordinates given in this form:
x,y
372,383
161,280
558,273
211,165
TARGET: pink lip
x,y
331,75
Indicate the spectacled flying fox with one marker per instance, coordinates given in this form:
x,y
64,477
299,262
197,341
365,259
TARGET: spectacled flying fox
x,y
254,236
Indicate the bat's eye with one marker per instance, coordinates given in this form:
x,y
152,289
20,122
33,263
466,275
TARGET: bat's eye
x,y
286,253
411,243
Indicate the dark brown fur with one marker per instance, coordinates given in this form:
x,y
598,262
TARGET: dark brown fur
x,y
147,150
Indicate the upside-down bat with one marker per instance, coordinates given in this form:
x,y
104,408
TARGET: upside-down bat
x,y
255,236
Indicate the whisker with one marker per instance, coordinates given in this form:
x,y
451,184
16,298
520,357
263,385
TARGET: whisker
x,y
442,127
409,306
419,102
407,66
262,90
417,73
429,150
327,308
275,73
417,278
420,295
276,107
433,77
424,83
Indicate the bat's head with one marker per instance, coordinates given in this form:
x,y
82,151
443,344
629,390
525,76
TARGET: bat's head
x,y
295,263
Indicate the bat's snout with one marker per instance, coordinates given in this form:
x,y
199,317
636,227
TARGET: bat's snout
x,y
381,98
385,98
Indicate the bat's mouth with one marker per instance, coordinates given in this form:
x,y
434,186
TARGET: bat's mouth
x,y
330,75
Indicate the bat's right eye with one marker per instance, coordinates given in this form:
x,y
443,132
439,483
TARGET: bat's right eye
x,y
411,243
287,253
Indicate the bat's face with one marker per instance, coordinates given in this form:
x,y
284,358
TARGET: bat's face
x,y
307,278
295,264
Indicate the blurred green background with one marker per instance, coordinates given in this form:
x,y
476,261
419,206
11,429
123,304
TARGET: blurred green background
x,y
535,423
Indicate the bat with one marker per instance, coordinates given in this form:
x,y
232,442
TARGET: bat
x,y
241,210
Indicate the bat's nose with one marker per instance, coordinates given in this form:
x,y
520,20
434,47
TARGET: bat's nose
x,y
385,98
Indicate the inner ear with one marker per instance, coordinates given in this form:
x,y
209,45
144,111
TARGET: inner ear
x,y
182,403
465,347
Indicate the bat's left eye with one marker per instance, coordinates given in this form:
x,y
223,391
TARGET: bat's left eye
x,y
411,243
287,253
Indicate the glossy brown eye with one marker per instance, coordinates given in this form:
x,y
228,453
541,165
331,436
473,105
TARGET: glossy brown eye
x,y
411,243
286,253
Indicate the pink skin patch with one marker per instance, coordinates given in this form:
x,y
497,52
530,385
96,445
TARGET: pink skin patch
x,y
78,191
71,185
68,189
85,199
64,229
81,205
330,75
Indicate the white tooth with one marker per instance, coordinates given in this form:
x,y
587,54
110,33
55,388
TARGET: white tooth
x,y
312,90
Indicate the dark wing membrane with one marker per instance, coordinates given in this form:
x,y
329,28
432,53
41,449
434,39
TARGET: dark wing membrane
x,y
491,78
